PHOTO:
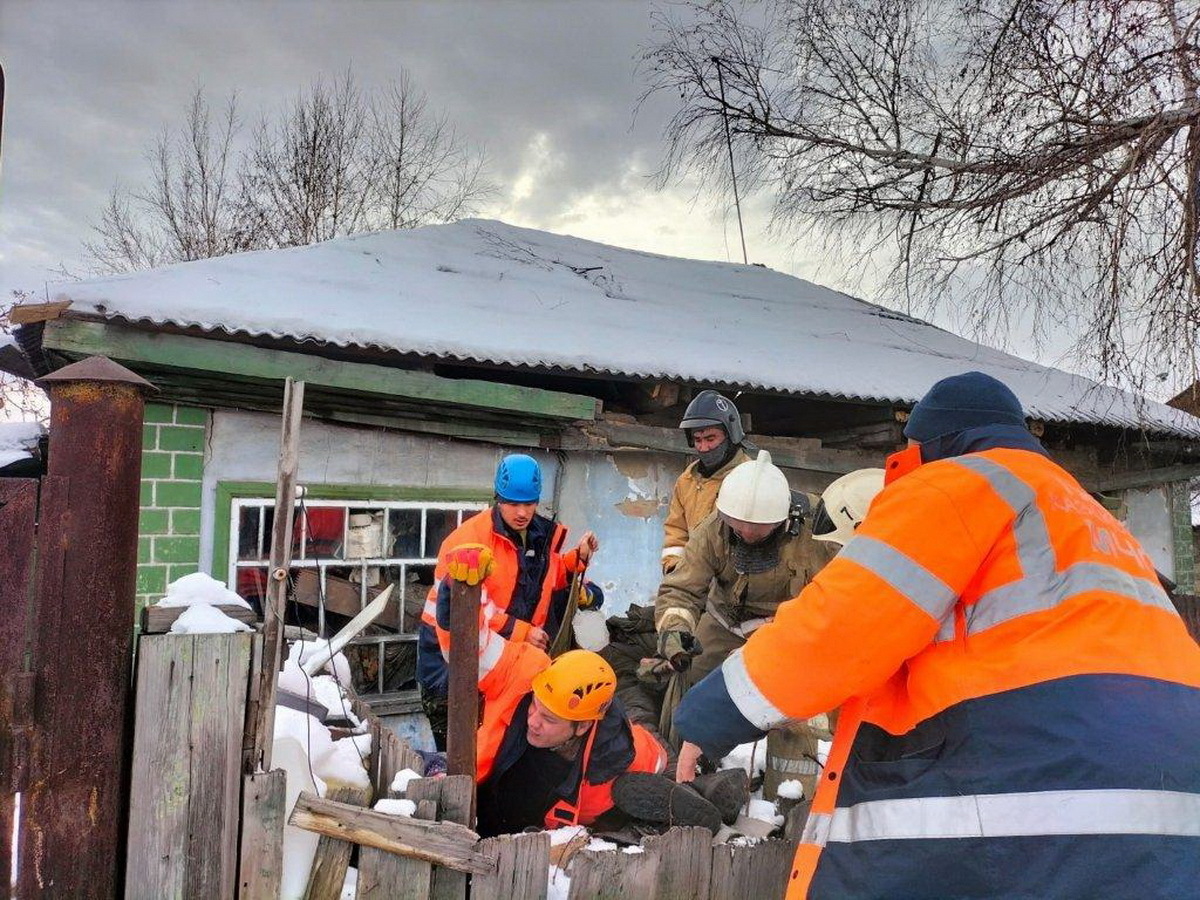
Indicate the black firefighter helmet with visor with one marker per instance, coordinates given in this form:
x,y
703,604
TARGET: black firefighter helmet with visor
x,y
708,408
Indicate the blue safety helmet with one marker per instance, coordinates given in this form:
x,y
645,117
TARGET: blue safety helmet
x,y
519,479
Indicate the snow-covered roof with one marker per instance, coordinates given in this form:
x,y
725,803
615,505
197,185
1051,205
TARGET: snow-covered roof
x,y
489,292
18,440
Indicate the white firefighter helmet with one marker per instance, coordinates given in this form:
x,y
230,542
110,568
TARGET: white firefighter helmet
x,y
756,491
844,505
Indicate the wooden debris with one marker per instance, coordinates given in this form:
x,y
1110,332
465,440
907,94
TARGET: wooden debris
x,y
443,843
333,855
159,619
454,795
386,876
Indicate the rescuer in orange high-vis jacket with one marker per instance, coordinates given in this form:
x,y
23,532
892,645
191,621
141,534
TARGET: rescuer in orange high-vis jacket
x,y
526,588
1020,700
552,737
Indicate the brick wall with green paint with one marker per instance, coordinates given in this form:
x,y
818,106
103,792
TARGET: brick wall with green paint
x,y
169,523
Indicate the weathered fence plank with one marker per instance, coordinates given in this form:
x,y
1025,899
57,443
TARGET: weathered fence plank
x,y
161,781
263,815
522,863
186,784
386,876
18,513
759,870
333,855
684,863
456,801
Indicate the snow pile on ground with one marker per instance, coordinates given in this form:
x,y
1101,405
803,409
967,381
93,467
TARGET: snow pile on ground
x,y
326,691
400,783
199,588
742,755
202,619
304,729
566,835
790,790
17,441
395,807
342,765
339,666
350,884
558,884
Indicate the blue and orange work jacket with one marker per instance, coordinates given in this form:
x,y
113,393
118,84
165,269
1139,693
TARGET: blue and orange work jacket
x,y
1020,700
520,592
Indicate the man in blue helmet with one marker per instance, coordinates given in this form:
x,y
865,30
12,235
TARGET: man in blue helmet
x,y
526,591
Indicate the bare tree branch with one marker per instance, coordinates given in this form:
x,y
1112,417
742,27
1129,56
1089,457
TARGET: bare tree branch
x,y
1020,156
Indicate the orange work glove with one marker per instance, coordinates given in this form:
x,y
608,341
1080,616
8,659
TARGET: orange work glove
x,y
470,563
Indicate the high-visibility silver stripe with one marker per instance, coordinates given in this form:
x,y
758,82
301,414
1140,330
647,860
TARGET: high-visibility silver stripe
x,y
816,829
1012,600
904,574
1042,586
803,766
750,701
1028,814
668,552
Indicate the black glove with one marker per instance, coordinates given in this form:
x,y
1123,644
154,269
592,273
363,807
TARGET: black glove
x,y
678,648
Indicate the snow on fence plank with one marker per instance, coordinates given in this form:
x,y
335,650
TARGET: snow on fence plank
x,y
186,782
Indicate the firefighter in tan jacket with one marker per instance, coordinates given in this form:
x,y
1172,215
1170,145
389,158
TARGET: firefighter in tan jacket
x,y
750,555
714,430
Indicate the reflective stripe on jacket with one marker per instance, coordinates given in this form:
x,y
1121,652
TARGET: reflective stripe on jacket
x,y
614,745
497,590
1021,700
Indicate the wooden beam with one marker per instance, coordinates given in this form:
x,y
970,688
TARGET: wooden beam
x,y
442,843
29,313
332,858
1119,481
159,619
464,678
211,355
790,453
277,572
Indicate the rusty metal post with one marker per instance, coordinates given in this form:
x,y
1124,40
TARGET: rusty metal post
x,y
75,809
463,713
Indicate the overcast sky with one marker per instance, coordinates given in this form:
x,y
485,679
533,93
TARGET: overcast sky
x,y
548,88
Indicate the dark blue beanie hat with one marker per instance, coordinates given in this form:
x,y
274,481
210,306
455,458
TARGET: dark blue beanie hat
x,y
960,402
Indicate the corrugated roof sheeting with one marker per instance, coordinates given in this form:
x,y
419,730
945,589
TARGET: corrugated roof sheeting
x,y
483,291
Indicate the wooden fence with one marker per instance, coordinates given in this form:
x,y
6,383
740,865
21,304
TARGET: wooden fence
x,y
202,828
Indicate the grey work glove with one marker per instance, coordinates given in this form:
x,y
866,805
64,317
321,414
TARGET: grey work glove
x,y
654,670
678,648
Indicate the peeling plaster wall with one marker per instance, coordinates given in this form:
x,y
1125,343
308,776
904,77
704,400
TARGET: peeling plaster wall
x,y
1148,518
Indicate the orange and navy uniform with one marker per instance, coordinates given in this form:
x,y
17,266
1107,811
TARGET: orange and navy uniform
x,y
526,587
613,746
1020,699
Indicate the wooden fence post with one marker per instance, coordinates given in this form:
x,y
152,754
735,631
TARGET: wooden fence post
x,y
260,862
262,698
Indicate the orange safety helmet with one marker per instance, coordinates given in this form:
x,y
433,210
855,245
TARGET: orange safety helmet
x,y
578,686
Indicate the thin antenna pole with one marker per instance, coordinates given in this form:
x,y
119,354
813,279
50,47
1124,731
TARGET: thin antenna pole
x,y
737,202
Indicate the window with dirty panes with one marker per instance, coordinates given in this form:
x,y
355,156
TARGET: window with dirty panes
x,y
344,553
